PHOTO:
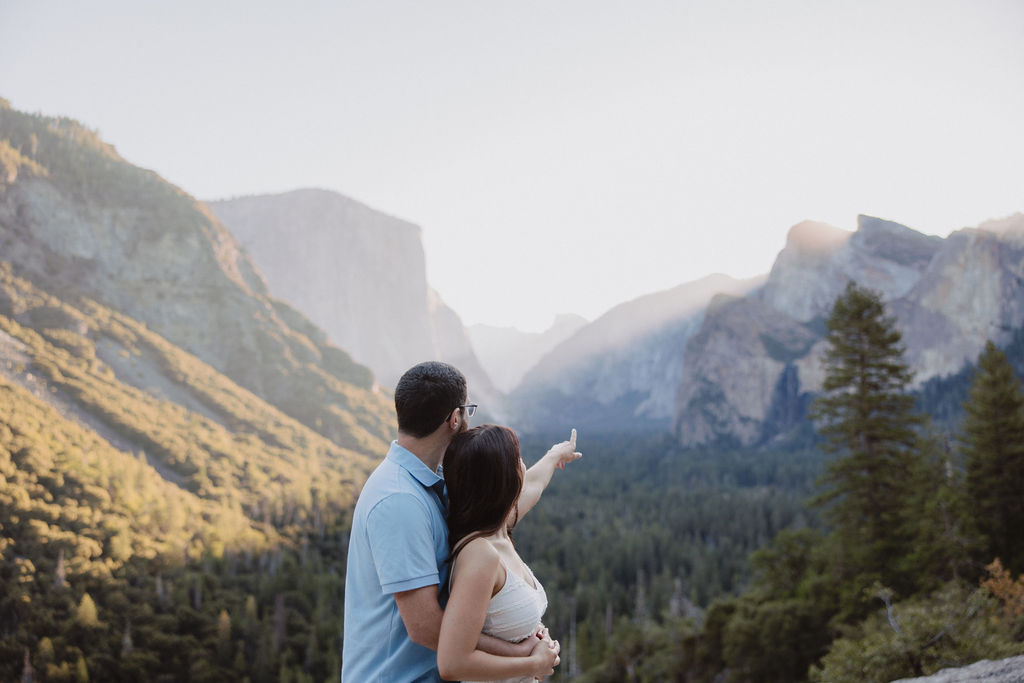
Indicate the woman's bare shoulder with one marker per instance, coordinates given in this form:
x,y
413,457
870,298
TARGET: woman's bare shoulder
x,y
478,551
480,558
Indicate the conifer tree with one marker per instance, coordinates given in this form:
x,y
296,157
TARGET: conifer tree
x,y
81,670
45,651
944,543
224,635
867,419
992,442
86,612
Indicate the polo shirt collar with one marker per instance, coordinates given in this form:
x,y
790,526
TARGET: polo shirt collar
x,y
405,459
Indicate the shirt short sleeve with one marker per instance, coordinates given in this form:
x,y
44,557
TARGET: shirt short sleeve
x,y
402,543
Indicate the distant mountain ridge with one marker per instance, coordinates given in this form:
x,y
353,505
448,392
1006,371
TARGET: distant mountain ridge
x,y
740,361
620,372
507,353
357,273
756,361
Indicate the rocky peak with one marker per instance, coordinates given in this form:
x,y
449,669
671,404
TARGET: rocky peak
x,y
755,362
793,285
358,273
1010,228
819,260
815,237
894,242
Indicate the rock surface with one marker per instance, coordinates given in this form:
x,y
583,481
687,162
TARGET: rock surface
x,y
82,222
1000,671
622,371
357,273
733,367
752,368
818,260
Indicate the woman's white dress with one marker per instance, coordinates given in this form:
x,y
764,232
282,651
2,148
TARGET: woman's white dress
x,y
515,612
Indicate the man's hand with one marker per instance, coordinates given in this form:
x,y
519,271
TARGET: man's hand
x,y
543,634
524,648
545,655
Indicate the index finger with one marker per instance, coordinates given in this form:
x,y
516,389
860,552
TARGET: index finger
x,y
572,440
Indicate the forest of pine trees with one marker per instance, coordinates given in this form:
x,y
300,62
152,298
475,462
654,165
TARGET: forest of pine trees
x,y
911,567
883,550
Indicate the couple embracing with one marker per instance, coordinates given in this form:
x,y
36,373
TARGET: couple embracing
x,y
424,535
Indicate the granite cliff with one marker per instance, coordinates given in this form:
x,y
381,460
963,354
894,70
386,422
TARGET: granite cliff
x,y
359,274
755,363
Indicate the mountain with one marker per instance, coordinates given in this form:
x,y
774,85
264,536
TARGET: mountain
x,y
179,449
620,372
507,353
753,367
79,221
357,273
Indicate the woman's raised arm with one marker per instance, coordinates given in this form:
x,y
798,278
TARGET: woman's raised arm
x,y
538,476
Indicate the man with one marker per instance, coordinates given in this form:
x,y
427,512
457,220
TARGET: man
x,y
399,540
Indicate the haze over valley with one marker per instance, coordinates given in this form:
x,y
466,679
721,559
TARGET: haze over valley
x,y
767,260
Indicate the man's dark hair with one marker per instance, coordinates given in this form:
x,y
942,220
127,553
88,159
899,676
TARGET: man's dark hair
x,y
426,395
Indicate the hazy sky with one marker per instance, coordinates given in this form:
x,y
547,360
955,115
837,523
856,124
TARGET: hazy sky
x,y
560,156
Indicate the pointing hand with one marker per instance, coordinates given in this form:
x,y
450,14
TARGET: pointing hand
x,y
566,451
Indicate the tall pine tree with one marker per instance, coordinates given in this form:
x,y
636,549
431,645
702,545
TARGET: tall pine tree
x,y
867,418
992,442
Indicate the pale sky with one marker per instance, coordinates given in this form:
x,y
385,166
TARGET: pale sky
x,y
560,155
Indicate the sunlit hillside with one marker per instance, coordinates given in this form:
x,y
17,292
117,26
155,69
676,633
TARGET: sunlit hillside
x,y
165,514
766,492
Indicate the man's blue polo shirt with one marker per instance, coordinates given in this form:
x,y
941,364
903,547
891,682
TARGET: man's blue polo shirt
x,y
399,540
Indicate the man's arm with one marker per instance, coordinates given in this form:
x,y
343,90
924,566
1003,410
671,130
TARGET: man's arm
x,y
421,613
503,648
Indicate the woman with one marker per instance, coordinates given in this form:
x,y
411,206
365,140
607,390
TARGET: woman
x,y
492,589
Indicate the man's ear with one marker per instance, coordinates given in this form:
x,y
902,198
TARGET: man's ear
x,y
453,420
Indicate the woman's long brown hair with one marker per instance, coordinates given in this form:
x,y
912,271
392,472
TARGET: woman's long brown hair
x,y
481,471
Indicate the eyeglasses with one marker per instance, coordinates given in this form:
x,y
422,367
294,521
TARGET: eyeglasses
x,y
470,408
